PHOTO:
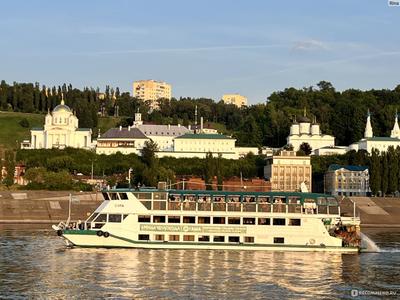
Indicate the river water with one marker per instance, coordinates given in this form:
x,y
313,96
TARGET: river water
x,y
35,264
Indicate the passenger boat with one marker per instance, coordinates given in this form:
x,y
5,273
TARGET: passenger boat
x,y
203,219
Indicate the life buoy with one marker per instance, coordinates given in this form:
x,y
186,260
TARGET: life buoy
x,y
106,234
59,232
99,233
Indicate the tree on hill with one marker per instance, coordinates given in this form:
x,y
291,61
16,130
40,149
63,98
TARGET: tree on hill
x,y
305,149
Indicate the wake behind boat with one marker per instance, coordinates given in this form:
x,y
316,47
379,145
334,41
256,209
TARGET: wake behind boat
x,y
203,219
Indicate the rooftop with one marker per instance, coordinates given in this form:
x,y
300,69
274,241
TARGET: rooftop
x,y
349,168
204,136
118,133
162,130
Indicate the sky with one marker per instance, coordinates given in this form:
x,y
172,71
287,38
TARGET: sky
x,y
202,48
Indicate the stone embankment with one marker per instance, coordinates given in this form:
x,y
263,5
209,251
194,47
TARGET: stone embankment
x,y
45,207
374,211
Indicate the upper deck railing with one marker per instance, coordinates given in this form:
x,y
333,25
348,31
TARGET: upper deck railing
x,y
225,201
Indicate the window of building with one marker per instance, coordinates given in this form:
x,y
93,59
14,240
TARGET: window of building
x,y
188,238
144,219
158,219
143,237
294,222
173,238
264,221
279,222
233,220
113,218
219,238
249,239
249,221
234,239
279,240
203,238
174,219
189,219
218,220
159,237
203,220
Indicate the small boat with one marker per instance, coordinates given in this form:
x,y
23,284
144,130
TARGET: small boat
x,y
204,219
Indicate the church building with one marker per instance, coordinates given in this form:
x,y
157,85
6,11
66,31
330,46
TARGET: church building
x,y
60,131
305,131
382,144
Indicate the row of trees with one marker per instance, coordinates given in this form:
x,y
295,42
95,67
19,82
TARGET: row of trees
x,y
341,114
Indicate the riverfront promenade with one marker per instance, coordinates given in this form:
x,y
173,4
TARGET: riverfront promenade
x,y
51,207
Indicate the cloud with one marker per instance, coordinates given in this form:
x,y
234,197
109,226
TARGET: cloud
x,y
176,50
309,45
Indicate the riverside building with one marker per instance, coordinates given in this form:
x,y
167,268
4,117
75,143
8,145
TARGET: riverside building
x,y
235,99
60,131
347,181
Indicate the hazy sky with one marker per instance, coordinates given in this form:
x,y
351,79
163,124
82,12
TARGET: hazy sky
x,y
203,48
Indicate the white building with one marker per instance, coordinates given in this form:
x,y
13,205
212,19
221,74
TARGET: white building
x,y
125,140
347,181
60,130
304,131
162,135
382,144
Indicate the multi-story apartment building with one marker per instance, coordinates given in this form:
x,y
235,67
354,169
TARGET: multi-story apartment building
x,y
151,90
347,181
235,99
287,171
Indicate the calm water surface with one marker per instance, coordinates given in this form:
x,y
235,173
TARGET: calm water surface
x,y
34,263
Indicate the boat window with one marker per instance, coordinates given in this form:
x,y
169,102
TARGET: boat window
x,y
279,200
279,240
113,218
294,222
219,238
173,238
123,196
124,217
249,199
264,221
189,198
218,220
233,220
203,220
204,198
113,196
174,197
294,200
101,218
158,219
136,195
144,219
144,237
159,196
279,222
159,205
159,237
188,238
249,239
334,210
105,195
321,201
174,219
218,198
147,204
233,198
92,217
98,225
234,239
264,199
332,201
189,219
203,238
249,221
143,196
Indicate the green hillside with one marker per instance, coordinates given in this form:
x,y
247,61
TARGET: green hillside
x,y
12,133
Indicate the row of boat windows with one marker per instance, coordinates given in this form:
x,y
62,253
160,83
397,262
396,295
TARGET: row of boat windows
x,y
104,218
204,238
219,220
207,198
